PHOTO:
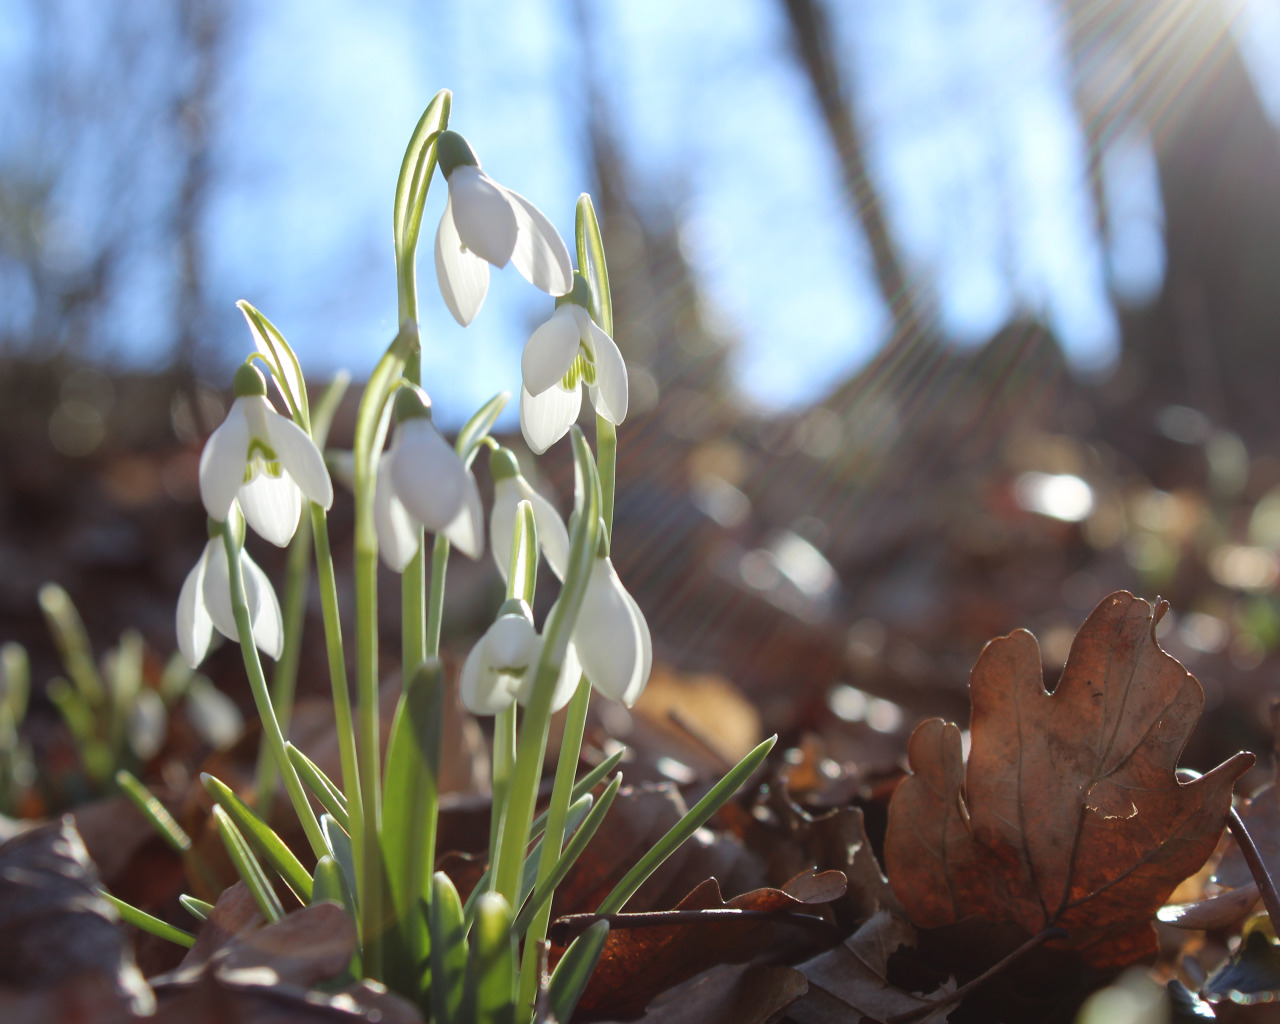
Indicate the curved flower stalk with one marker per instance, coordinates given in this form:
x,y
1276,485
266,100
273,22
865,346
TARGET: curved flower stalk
x,y
567,351
611,637
263,461
423,484
486,223
509,489
499,671
205,602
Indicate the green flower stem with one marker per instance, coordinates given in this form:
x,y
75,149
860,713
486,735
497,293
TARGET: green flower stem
x,y
533,734
417,169
284,679
261,698
522,579
407,289
582,787
504,757
337,669
435,603
518,812
371,431
416,172
557,814
413,614
367,851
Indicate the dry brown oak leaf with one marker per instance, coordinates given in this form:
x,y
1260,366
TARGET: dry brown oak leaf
x,y
1069,814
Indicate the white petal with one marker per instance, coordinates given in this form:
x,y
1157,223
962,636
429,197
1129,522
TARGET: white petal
x,y
609,392
547,417
609,645
553,537
511,642
463,276
485,217
217,590
502,522
466,530
428,476
271,505
222,462
300,458
640,677
567,682
195,628
268,623
540,253
483,691
550,350
398,535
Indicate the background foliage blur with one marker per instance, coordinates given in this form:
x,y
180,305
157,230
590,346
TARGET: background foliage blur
x,y
942,317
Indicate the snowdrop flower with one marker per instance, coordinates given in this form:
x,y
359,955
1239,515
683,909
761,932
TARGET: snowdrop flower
x,y
423,484
205,603
611,637
565,352
500,668
509,489
485,223
263,461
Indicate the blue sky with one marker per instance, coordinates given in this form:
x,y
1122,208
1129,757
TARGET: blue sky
x,y
972,142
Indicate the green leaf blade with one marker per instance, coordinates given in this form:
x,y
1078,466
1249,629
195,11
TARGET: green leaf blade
x,y
319,785
262,837
145,922
154,811
685,827
569,979
592,264
247,866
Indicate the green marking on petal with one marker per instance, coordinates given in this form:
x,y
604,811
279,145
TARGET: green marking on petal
x,y
581,370
261,458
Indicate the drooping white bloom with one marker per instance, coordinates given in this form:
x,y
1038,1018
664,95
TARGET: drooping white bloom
x,y
264,461
568,350
422,483
486,223
509,489
500,669
205,603
612,638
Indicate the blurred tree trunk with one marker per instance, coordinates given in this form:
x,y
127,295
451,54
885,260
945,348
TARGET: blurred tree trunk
x,y
1208,341
811,36
202,24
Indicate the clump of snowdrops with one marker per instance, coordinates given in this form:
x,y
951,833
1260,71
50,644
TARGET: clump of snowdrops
x,y
374,844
